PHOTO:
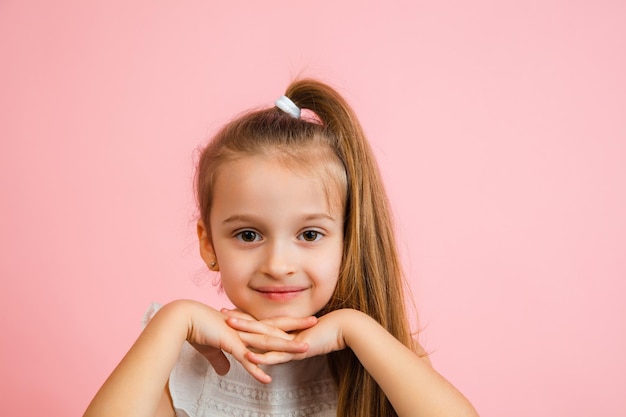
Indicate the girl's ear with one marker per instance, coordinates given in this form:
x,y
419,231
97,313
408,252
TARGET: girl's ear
x,y
206,248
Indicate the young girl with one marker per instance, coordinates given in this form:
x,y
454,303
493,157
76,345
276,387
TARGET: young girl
x,y
295,219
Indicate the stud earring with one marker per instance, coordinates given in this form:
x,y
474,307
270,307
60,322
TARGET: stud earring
x,y
213,266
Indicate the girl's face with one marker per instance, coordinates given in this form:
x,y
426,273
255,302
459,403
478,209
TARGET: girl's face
x,y
276,236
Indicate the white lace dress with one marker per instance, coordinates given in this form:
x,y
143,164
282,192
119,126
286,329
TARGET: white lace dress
x,y
298,389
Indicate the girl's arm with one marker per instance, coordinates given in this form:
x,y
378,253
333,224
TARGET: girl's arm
x,y
137,386
412,386
410,383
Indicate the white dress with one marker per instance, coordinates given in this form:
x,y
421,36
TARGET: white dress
x,y
298,388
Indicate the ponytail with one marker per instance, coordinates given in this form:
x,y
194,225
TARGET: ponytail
x,y
370,279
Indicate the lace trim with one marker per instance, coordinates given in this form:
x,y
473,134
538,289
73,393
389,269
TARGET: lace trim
x,y
313,399
309,392
313,410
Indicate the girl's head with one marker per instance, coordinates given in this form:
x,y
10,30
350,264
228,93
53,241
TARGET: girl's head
x,y
330,162
272,196
328,145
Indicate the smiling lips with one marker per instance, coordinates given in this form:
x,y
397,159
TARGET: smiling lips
x,y
280,293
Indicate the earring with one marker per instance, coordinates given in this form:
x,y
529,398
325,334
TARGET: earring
x,y
213,266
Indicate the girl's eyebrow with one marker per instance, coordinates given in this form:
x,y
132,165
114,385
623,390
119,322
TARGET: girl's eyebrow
x,y
237,218
318,216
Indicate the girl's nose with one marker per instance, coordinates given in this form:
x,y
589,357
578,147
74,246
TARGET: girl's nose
x,y
280,261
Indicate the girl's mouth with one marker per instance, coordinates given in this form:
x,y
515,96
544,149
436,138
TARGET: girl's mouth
x,y
280,293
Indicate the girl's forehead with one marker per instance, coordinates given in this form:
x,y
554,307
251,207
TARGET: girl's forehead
x,y
270,170
274,170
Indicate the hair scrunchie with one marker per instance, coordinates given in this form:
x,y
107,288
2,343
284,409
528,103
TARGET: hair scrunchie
x,y
285,104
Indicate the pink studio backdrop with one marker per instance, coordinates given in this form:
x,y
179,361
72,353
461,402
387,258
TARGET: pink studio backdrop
x,y
499,126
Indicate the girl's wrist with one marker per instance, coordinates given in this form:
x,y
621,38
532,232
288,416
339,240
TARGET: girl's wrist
x,y
351,323
359,329
175,319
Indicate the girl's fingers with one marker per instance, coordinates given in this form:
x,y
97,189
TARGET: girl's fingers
x,y
286,324
258,327
269,338
273,358
253,368
240,352
210,335
264,343
220,363
236,313
256,372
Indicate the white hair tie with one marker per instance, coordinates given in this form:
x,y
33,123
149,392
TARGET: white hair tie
x,y
285,104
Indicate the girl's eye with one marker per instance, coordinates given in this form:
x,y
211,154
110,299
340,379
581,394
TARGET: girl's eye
x,y
311,235
248,236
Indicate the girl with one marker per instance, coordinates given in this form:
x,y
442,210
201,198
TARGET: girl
x,y
294,217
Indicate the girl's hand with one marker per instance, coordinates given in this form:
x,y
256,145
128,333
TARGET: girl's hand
x,y
284,324
210,335
324,337
255,332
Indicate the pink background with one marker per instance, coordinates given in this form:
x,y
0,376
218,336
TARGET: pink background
x,y
499,126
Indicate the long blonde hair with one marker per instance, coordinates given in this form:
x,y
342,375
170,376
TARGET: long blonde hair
x,y
370,279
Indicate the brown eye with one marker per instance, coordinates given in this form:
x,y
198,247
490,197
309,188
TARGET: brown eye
x,y
248,236
311,235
